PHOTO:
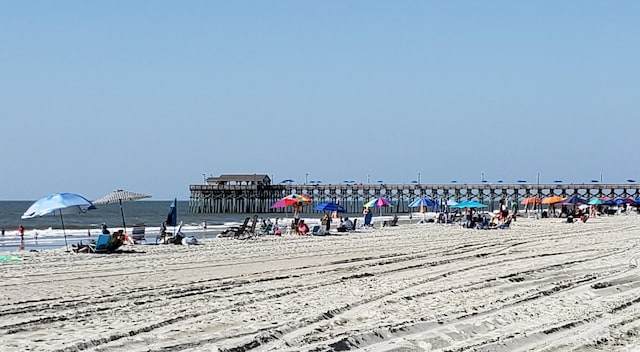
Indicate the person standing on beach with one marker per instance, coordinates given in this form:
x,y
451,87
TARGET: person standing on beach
x,y
504,210
296,213
21,232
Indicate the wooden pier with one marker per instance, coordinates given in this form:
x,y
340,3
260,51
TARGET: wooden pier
x,y
254,197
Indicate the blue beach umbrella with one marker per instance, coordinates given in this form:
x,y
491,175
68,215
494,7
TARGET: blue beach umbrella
x,y
620,200
608,201
329,206
575,199
59,204
470,204
172,216
422,202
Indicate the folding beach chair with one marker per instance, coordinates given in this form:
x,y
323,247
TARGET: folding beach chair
x,y
169,237
101,244
105,244
235,231
247,233
137,233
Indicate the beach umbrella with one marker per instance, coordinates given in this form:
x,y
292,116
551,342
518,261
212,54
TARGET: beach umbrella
x,y
620,200
59,204
297,198
172,216
329,206
575,199
118,196
292,199
596,201
422,202
279,204
470,204
451,202
531,200
378,202
552,200
607,201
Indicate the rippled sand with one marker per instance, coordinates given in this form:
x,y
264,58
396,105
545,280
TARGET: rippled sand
x,y
541,285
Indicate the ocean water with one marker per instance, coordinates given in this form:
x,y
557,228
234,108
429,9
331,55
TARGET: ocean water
x,y
151,213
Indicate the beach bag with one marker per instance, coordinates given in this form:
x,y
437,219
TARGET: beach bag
x,y
189,241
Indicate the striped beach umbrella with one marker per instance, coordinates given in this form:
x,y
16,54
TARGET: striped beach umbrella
x,y
119,196
292,199
378,202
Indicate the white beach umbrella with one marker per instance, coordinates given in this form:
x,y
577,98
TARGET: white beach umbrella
x,y
118,196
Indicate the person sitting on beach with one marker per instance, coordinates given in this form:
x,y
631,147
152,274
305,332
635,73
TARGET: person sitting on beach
x,y
326,222
263,225
493,223
105,230
267,229
302,228
564,211
483,223
346,225
116,240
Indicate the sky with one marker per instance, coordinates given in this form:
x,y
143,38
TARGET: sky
x,y
148,96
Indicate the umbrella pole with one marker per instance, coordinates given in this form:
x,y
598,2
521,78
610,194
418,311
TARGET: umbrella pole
x,y
124,227
66,246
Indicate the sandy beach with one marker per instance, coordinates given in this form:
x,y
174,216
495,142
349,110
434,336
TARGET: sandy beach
x,y
541,285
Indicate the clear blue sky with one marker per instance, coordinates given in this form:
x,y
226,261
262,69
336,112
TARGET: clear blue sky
x,y
148,95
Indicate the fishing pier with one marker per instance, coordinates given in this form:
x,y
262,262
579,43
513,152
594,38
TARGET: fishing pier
x,y
255,194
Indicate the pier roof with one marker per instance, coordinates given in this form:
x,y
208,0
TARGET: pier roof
x,y
240,178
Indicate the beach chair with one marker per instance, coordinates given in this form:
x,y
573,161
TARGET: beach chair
x,y
392,222
315,230
137,233
233,230
170,237
101,244
105,244
247,233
